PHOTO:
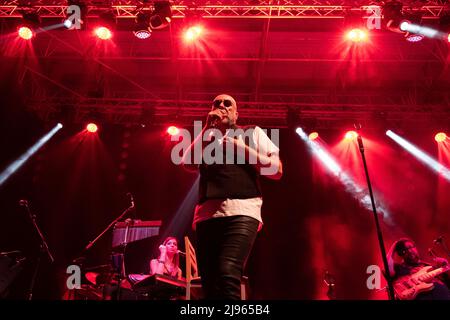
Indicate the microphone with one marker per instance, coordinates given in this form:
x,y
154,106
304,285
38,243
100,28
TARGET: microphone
x,y
131,198
181,252
23,202
438,240
213,119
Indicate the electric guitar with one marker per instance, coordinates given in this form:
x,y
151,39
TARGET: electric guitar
x,y
408,287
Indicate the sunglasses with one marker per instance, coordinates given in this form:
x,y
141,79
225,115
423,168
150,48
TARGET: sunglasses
x,y
227,103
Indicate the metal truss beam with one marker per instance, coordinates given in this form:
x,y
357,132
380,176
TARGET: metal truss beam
x,y
283,9
268,113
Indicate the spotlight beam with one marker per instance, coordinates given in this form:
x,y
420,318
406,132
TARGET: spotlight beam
x,y
183,217
420,155
422,30
349,183
13,167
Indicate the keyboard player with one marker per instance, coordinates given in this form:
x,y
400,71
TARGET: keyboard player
x,y
168,262
166,265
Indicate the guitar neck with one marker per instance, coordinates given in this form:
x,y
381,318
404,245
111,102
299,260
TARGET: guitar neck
x,y
437,271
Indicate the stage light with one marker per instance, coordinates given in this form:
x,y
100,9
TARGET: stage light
x,y
92,127
172,130
392,15
313,136
142,27
107,22
357,35
31,21
448,38
420,155
75,15
408,23
13,167
161,15
440,137
413,29
67,23
142,34
414,37
404,25
25,33
192,33
350,135
103,33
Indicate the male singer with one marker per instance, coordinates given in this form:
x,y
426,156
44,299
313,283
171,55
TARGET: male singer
x,y
228,215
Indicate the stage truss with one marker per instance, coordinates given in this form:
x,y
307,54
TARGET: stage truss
x,y
311,111
276,109
247,9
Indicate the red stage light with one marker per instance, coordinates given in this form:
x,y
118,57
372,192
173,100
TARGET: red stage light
x,y
192,33
92,128
351,135
440,137
313,135
356,35
172,130
103,33
25,33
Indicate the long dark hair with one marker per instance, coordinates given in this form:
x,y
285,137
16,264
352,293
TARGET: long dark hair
x,y
175,259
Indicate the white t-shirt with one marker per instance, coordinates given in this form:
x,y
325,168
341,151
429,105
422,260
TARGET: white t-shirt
x,y
251,207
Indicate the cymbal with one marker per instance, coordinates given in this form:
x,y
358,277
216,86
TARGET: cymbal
x,y
97,278
92,277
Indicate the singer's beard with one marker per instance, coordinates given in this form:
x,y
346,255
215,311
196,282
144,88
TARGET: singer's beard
x,y
412,259
224,125
229,123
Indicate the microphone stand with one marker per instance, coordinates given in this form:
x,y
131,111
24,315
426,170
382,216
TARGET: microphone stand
x,y
43,249
91,243
444,246
377,224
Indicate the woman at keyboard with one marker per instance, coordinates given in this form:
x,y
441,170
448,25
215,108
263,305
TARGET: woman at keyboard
x,y
168,261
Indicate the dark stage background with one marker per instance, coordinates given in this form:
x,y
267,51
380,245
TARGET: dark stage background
x,y
76,186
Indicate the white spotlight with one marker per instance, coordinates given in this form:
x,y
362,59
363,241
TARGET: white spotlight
x,y
13,167
420,155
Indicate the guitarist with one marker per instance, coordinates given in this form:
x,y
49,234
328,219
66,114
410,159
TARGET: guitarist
x,y
408,262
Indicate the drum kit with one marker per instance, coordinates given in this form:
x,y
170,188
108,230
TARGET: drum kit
x,y
93,284
102,282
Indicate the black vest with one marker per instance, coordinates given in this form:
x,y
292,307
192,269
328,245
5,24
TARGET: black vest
x,y
234,181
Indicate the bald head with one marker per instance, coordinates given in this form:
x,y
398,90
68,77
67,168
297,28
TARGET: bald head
x,y
228,108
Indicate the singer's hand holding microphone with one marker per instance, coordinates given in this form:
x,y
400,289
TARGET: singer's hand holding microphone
x,y
214,118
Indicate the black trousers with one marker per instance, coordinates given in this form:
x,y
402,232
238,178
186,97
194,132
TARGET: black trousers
x,y
223,246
